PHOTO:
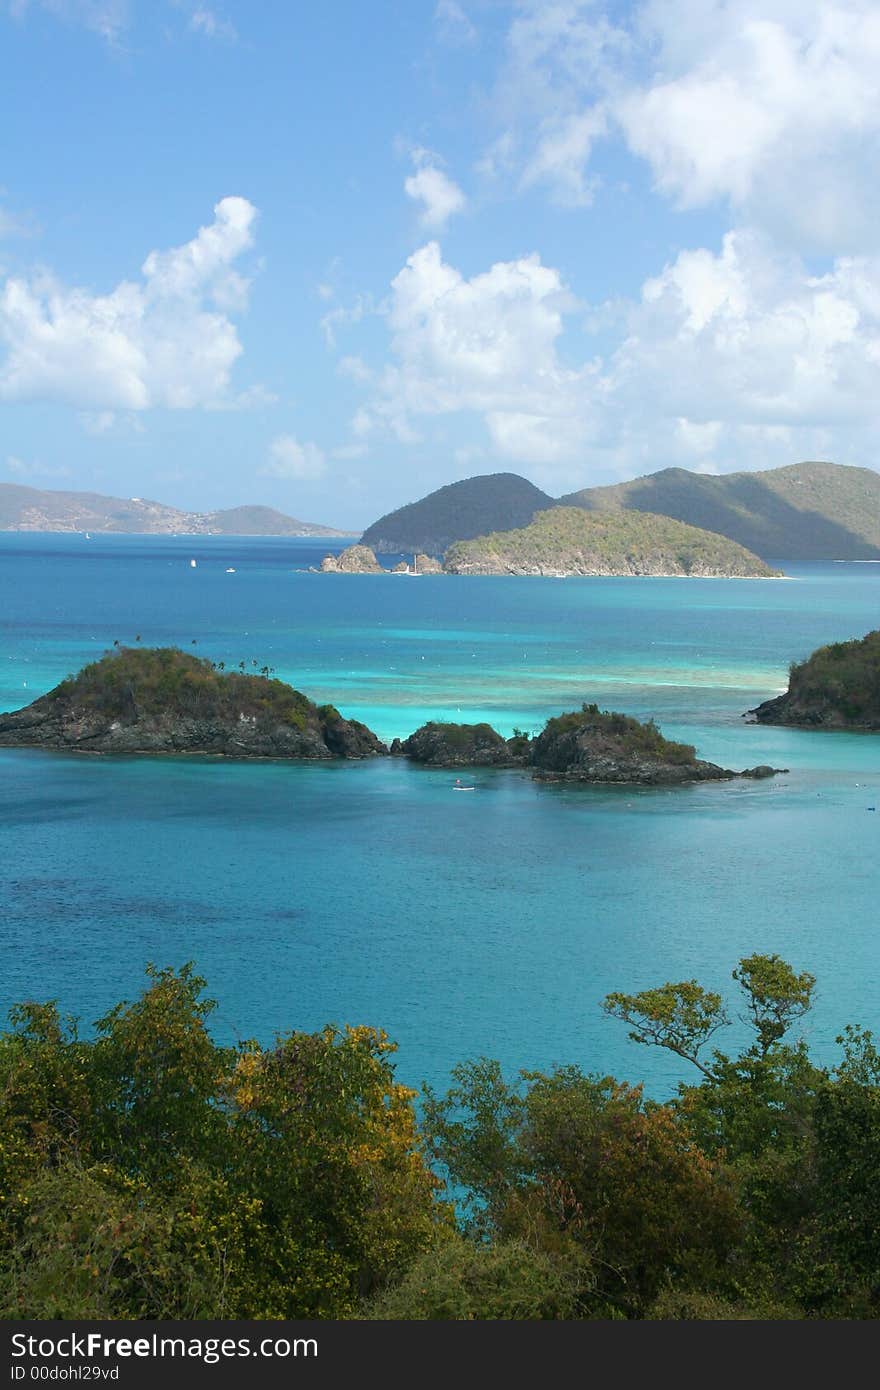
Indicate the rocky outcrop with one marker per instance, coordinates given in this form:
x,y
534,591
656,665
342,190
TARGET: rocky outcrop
x,y
461,745
161,700
426,564
837,687
355,559
593,745
589,745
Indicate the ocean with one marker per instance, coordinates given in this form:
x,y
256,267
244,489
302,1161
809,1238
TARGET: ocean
x,y
491,924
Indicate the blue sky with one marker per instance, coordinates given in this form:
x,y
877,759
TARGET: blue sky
x,y
330,257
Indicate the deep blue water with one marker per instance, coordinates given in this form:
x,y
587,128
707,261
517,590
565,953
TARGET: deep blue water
x,y
492,923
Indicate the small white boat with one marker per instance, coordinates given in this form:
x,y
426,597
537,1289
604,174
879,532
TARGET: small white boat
x,y
458,787
192,564
230,571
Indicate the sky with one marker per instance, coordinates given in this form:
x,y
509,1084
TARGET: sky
x,y
330,257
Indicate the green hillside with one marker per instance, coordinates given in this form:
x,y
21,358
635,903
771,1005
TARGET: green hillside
x,y
570,541
837,687
472,507
806,511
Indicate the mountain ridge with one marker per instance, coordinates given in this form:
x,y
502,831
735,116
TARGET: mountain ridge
x,y
812,510
35,509
458,511
802,511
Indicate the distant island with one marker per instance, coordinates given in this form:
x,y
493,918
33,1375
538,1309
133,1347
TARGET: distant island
x,y
804,511
837,687
33,509
563,542
161,700
567,541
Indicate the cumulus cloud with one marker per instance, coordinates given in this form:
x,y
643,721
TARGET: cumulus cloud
x,y
767,106
485,345
748,335
166,339
735,357
293,461
440,197
772,106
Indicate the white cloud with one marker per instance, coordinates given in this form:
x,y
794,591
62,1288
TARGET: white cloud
x,y
210,25
349,451
293,461
108,18
163,340
749,336
770,107
561,156
440,197
343,317
356,369
485,346
26,471
453,24
562,62
735,358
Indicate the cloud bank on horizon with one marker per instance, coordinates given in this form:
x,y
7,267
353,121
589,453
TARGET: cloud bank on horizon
x,y
576,239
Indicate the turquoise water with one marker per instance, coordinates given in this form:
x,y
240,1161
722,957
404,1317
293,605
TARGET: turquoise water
x,y
491,923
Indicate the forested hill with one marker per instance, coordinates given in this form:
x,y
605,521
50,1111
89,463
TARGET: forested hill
x,y
472,507
568,541
33,509
807,511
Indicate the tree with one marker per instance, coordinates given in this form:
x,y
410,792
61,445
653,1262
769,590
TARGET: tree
x,y
776,997
683,1017
680,1017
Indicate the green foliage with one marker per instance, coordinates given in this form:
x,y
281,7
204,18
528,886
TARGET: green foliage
x,y
571,540
681,1017
137,681
627,736
146,1172
467,1280
582,1169
776,996
843,678
149,1173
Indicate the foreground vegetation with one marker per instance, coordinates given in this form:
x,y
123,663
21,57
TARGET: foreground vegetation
x,y
146,1172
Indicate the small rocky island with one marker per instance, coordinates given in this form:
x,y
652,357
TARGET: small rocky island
x,y
354,559
566,541
163,700
587,745
360,559
838,687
